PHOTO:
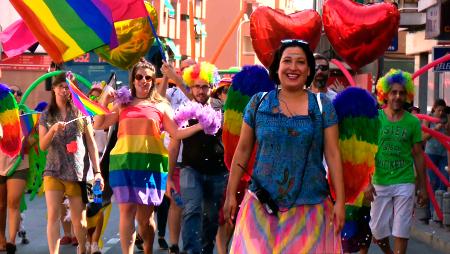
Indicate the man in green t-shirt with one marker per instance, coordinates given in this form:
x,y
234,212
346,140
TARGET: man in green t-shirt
x,y
399,149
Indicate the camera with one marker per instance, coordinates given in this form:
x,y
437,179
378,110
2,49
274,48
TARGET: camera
x,y
267,202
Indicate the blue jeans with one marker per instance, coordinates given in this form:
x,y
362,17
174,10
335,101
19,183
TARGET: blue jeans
x,y
435,181
202,195
440,162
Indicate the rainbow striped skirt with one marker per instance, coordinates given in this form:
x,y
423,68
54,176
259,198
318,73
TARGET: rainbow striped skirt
x,y
302,229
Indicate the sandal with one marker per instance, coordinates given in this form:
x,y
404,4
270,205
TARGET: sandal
x,y
65,240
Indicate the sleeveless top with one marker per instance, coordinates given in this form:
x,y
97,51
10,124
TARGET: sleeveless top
x,y
139,161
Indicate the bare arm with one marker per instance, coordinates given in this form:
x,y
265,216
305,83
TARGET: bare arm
x,y
46,136
102,122
170,72
172,128
240,159
419,163
92,148
162,88
174,149
333,158
93,153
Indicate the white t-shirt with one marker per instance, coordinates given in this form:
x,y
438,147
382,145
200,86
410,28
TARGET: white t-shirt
x,y
176,98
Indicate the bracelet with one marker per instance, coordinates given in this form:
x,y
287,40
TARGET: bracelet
x,y
98,172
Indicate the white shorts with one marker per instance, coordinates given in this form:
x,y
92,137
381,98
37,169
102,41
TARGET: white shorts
x,y
392,211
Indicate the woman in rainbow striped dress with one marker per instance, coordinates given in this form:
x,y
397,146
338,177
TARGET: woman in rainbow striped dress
x,y
139,161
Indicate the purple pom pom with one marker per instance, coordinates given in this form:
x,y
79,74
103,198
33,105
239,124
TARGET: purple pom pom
x,y
123,96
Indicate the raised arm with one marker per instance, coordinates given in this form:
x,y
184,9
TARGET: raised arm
x,y
162,88
170,72
102,122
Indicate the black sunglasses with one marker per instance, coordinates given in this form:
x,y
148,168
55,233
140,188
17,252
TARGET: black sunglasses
x,y
139,77
294,41
322,67
16,92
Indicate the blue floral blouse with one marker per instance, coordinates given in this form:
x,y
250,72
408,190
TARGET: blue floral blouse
x,y
290,150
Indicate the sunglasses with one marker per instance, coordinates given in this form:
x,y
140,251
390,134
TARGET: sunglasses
x,y
139,77
16,92
294,41
322,67
93,97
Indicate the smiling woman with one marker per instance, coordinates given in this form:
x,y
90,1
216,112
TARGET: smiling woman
x,y
139,161
293,128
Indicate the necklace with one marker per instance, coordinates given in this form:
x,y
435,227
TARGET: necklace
x,y
285,104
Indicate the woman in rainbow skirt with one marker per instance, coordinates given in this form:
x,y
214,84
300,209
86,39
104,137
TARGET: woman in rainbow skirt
x,y
287,208
139,161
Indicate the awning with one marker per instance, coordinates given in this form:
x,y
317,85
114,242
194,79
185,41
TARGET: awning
x,y
169,8
174,48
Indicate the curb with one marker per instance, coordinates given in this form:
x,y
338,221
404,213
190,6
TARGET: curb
x,y
433,235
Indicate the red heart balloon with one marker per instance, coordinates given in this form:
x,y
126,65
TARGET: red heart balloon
x,y
268,27
360,33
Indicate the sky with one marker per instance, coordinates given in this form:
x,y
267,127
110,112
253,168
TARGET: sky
x,y
303,4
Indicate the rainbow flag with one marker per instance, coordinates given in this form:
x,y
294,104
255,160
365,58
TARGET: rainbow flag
x,y
83,103
28,122
68,28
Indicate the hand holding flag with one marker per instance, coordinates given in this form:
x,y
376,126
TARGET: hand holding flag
x,y
82,102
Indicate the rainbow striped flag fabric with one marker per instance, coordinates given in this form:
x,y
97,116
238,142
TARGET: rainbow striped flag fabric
x,y
68,28
357,112
83,103
28,122
10,143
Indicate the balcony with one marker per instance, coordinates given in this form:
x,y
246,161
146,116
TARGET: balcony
x,y
410,17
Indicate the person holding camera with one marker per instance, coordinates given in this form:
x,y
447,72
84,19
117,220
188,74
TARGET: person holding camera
x,y
287,208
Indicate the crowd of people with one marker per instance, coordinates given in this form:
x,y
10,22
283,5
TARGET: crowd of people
x,y
179,173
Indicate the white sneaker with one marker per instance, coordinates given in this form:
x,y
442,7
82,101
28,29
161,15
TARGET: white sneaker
x,y
95,249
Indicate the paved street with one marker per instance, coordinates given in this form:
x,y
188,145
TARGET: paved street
x,y
35,223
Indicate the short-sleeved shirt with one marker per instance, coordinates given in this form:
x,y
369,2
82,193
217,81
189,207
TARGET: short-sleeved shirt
x,y
61,163
176,98
290,149
433,146
394,163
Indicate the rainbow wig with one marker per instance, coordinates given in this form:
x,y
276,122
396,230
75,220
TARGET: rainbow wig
x,y
385,83
204,71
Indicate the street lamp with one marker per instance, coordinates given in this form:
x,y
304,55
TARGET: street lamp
x,y
238,40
